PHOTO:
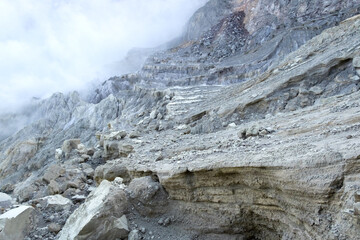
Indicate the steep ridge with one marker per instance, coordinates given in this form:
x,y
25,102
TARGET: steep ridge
x,y
274,156
299,182
244,42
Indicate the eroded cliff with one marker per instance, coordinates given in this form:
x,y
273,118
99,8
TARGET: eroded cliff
x,y
175,151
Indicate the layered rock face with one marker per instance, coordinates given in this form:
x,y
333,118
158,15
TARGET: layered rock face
x,y
247,129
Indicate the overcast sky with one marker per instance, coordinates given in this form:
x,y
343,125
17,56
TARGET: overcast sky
x,y
48,46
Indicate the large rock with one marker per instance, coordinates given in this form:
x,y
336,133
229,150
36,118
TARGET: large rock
x,y
118,135
15,223
115,149
53,172
56,202
356,62
70,145
5,200
102,216
148,197
110,171
53,187
18,156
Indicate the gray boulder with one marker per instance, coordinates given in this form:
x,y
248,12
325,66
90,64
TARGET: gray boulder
x,y
110,171
102,216
70,145
56,202
356,62
15,224
148,197
5,200
114,149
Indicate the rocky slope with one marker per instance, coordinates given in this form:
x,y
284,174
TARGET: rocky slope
x,y
247,129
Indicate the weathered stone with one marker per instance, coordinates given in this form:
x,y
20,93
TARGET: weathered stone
x,y
148,197
85,157
107,203
357,209
114,149
134,134
70,145
58,154
81,148
18,156
15,223
110,171
253,131
134,235
118,135
90,151
182,127
357,196
69,193
356,62
242,133
153,114
72,185
5,200
53,172
54,227
25,193
316,90
78,198
53,187
56,202
98,154
89,172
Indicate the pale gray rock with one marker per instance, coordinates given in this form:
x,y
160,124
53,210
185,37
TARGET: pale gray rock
x,y
18,156
134,235
16,223
356,62
357,196
107,203
116,149
253,131
56,202
5,200
110,171
54,227
58,154
53,187
70,145
148,197
85,157
89,172
153,114
357,209
134,134
78,198
25,192
72,185
53,172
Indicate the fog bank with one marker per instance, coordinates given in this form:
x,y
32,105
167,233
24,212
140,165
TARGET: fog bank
x,y
61,45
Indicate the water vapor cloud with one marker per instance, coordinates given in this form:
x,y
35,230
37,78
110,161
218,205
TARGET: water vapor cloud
x,y
60,45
